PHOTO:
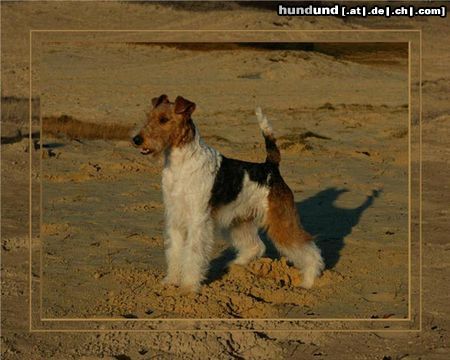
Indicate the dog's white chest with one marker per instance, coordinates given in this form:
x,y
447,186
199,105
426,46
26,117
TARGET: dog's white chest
x,y
187,184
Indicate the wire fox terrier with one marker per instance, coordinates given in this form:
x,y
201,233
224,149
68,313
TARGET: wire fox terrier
x,y
203,189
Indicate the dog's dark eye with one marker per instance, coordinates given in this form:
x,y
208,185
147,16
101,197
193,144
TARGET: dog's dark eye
x,y
163,120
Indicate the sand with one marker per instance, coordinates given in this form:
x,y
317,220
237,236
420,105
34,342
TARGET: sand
x,y
341,116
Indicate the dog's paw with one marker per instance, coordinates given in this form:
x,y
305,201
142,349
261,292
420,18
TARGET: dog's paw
x,y
186,289
241,261
307,283
169,281
308,280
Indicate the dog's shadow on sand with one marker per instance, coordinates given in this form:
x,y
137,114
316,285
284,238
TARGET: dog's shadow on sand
x,y
329,224
320,217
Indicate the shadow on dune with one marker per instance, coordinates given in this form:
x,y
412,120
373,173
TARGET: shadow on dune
x,y
320,217
330,224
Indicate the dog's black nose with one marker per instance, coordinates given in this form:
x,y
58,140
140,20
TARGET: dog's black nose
x,y
138,140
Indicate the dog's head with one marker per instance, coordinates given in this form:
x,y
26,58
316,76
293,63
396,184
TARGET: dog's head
x,y
168,125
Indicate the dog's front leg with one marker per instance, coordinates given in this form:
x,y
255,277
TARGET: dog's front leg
x,y
173,244
196,254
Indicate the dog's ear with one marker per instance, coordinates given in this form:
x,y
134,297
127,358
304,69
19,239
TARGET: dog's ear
x,y
183,106
158,100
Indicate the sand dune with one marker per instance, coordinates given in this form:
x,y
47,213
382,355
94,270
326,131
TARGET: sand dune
x,y
340,112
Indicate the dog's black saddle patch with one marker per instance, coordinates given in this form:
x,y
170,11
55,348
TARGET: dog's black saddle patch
x,y
230,178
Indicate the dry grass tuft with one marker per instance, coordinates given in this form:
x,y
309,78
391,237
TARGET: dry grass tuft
x,y
75,129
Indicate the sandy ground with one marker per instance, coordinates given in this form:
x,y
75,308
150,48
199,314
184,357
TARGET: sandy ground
x,y
102,218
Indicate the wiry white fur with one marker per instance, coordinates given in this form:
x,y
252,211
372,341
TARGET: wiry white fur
x,y
188,177
263,122
307,259
247,242
251,202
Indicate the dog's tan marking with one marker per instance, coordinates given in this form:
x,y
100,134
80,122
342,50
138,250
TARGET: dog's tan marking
x,y
282,221
168,125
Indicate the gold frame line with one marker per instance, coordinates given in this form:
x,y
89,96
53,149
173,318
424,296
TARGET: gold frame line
x,y
260,319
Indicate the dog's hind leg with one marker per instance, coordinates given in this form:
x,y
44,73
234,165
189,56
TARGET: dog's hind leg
x,y
288,236
247,242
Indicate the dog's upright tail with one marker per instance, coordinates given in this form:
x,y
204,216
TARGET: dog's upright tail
x,y
273,153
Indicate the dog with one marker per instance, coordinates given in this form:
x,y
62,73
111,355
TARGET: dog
x,y
203,189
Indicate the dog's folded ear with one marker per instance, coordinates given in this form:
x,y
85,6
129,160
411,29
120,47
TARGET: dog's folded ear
x,y
183,106
158,100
